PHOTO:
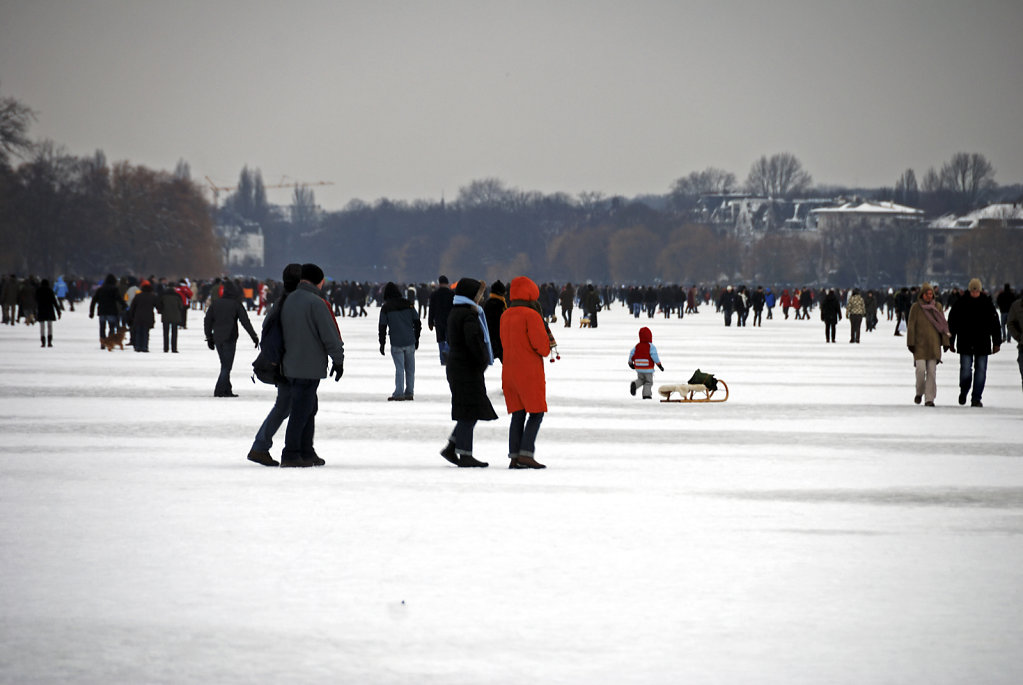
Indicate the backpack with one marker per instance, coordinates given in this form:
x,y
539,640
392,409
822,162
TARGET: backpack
x,y
267,365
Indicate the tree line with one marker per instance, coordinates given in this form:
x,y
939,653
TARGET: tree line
x,y
82,215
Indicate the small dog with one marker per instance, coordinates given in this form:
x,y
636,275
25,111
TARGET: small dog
x,y
114,339
685,391
584,322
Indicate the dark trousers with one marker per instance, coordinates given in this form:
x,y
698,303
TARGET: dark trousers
x,y
140,335
854,327
225,351
522,433
280,411
170,335
298,437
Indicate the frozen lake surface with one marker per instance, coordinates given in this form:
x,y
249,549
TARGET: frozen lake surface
x,y
818,527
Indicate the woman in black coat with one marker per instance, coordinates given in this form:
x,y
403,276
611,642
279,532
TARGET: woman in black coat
x,y
831,314
49,310
469,356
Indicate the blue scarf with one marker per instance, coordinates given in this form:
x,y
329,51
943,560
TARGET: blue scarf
x,y
462,299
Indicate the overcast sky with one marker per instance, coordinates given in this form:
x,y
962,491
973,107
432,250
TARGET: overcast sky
x,y
413,100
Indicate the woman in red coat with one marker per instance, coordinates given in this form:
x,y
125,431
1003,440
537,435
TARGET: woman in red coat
x,y
526,342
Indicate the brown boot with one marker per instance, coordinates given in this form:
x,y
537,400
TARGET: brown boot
x,y
525,462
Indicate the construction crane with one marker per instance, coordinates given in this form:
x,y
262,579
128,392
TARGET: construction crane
x,y
218,189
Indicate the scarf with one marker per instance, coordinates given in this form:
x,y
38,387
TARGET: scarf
x,y
462,299
534,305
936,317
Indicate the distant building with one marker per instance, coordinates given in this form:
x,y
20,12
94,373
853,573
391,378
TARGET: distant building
x,y
749,217
867,214
940,264
243,244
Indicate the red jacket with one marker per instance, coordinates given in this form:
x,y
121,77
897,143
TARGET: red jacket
x,y
525,342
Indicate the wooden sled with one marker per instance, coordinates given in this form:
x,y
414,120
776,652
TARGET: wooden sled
x,y
687,392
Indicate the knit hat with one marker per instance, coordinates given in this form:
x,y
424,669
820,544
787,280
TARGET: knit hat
x,y
291,275
975,285
443,280
312,273
497,288
391,291
925,287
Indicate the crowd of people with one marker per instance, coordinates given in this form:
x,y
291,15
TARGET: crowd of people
x,y
476,324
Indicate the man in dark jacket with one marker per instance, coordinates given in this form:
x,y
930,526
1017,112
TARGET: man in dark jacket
x,y
493,308
1005,299
975,333
172,314
109,303
310,336
398,315
437,318
221,327
142,316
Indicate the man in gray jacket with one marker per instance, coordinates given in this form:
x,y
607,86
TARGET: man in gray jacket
x,y
310,336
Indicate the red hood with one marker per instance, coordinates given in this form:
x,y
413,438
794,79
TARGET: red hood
x,y
645,335
522,288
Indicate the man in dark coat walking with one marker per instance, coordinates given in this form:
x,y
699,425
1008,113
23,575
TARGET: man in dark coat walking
x,y
437,317
142,316
221,327
975,333
311,336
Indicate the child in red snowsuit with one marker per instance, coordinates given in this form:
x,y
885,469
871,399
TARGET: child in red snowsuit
x,y
643,358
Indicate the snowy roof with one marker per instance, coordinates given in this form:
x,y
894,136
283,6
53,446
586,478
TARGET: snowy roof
x,y
868,207
1012,213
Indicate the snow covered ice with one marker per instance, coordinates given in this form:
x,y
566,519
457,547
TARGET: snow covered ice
x,y
818,527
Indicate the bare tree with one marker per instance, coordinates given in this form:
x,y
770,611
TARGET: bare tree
x,y
906,190
14,122
780,175
970,176
688,189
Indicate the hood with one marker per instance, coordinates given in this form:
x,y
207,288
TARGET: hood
x,y
645,336
391,291
470,288
523,288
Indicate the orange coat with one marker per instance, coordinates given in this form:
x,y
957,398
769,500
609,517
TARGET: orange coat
x,y
525,342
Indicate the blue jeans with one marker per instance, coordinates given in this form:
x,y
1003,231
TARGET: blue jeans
x,y
298,437
280,411
972,369
443,346
225,351
463,435
404,369
108,321
522,433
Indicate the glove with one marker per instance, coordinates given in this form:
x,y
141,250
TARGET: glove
x,y
337,370
632,365
90,315
995,349
209,342
661,367
255,341
381,348
912,348
951,348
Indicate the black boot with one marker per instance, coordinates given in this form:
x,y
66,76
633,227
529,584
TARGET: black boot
x,y
49,341
468,461
42,342
449,453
